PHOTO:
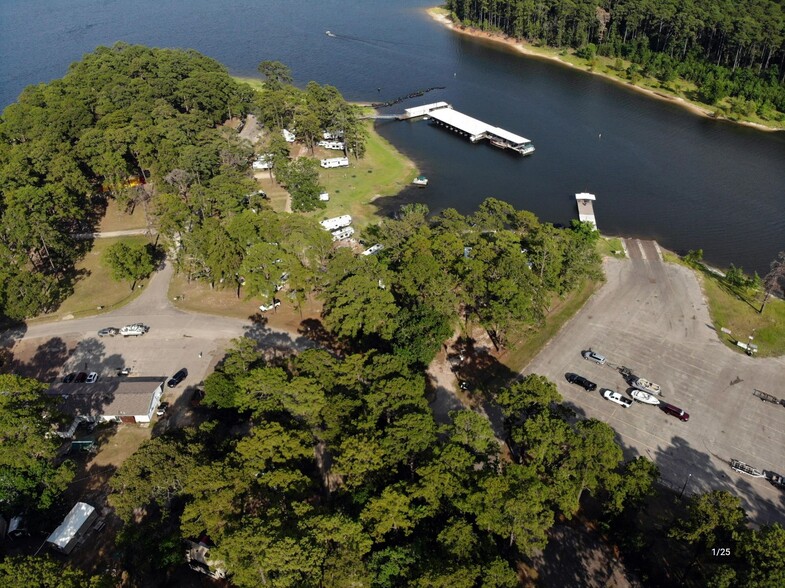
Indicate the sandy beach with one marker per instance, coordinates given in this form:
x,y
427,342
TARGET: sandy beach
x,y
526,49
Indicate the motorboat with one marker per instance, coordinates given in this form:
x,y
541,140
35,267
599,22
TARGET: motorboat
x,y
644,397
647,386
420,181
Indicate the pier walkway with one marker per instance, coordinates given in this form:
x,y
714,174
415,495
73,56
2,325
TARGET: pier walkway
x,y
586,207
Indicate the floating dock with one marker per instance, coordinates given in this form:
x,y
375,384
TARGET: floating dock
x,y
586,207
473,129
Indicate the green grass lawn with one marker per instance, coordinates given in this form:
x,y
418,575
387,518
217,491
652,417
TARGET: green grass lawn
x,y
116,219
96,287
610,247
741,316
384,171
738,312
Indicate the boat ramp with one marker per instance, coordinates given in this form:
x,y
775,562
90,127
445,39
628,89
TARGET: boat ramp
x,y
473,129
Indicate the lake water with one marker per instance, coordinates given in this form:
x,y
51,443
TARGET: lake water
x,y
657,170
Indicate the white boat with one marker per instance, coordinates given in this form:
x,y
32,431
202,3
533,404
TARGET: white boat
x,y
329,34
644,397
420,181
647,386
744,468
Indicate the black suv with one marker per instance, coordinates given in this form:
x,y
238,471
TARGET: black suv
x,y
581,381
177,378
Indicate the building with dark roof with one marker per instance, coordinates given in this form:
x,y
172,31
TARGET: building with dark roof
x,y
127,400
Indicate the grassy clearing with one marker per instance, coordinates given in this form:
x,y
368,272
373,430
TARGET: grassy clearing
x,y
116,219
122,444
384,171
199,297
739,314
610,247
96,287
737,310
526,348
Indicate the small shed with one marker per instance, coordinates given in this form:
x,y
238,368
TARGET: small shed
x,y
76,523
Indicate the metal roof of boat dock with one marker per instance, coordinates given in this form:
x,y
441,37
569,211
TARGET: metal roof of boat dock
x,y
460,121
507,136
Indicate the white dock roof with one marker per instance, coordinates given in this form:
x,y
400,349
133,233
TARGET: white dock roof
x,y
508,136
585,196
460,121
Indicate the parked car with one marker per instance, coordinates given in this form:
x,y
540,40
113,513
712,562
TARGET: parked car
x,y
69,378
126,371
135,330
588,385
178,377
80,377
108,332
594,356
674,411
274,304
92,378
162,408
464,385
616,397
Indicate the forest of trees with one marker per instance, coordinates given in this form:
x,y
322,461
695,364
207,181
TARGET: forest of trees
x,y
156,115
726,48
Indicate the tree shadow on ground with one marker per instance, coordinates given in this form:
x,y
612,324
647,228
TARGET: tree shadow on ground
x,y
275,344
577,554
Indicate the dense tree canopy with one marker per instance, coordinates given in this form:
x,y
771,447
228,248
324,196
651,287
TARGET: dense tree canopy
x,y
29,479
728,48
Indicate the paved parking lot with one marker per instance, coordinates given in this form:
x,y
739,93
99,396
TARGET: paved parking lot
x,y
176,339
651,317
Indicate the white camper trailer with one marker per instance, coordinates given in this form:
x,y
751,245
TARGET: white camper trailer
x,y
288,135
337,222
335,162
76,523
342,234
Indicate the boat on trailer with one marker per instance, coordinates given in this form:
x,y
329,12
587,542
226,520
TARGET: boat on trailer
x,y
744,468
647,386
644,397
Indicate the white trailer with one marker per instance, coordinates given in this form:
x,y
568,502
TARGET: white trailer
x,y
373,249
342,234
335,145
337,222
324,196
335,162
336,136
288,135
76,523
263,162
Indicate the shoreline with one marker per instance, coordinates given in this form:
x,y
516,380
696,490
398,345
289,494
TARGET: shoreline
x,y
525,49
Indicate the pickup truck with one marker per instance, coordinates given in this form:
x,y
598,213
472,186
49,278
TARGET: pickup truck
x,y
616,397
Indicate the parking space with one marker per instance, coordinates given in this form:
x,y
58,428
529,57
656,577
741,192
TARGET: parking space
x,y
651,317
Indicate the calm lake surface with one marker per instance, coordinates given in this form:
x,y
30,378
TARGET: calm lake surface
x,y
658,171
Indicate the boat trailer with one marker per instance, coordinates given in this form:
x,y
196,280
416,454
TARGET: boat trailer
x,y
767,397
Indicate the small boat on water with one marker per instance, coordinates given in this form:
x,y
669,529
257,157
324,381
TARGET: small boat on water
x,y
421,181
329,34
647,386
644,397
